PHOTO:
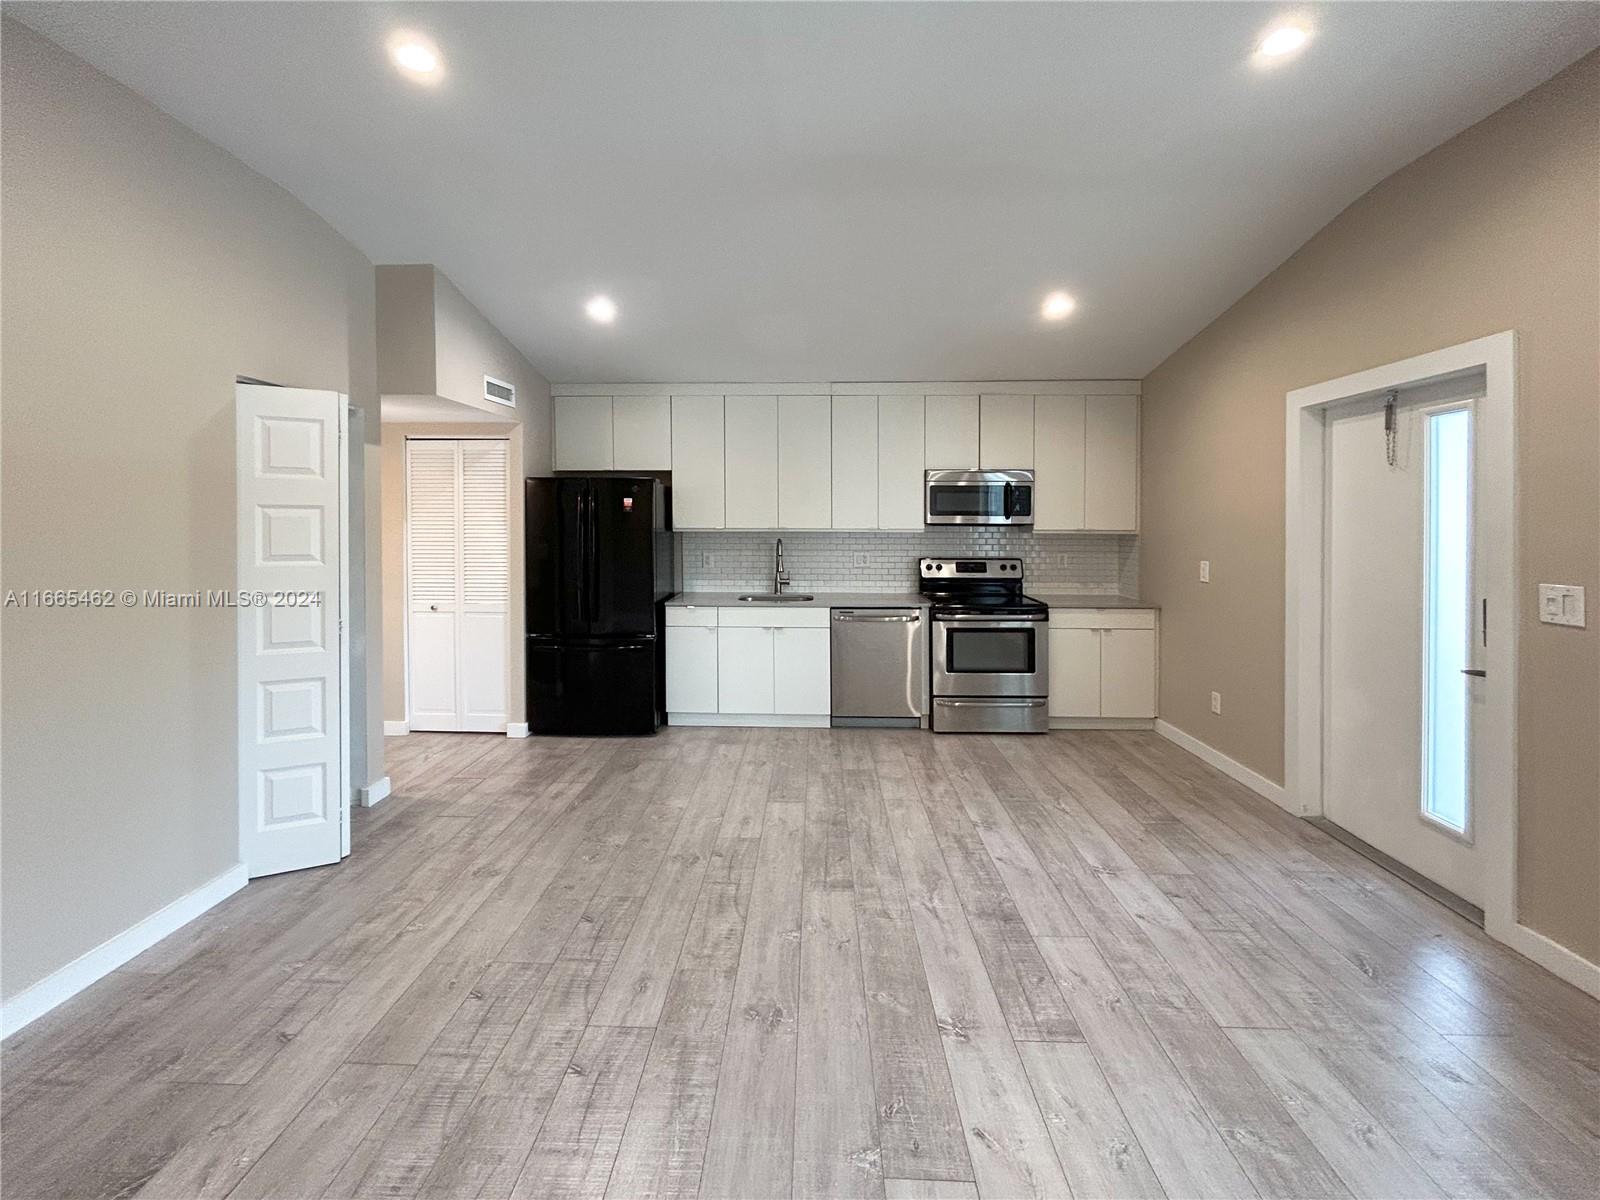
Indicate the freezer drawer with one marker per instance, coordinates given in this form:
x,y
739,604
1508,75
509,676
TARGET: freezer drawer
x,y
879,666
596,688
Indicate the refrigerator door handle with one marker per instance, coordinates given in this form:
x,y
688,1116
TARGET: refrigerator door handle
x,y
593,584
585,533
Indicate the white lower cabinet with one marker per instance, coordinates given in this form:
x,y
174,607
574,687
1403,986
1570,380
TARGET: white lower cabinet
x,y
801,672
1103,663
691,669
1074,672
766,664
1127,672
744,670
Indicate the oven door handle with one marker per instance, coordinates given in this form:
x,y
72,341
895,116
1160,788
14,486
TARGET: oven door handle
x,y
988,703
1008,622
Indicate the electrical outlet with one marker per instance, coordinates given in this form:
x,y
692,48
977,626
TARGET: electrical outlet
x,y
1205,570
1063,560
860,559
708,561
1216,703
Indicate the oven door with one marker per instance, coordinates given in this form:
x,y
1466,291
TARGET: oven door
x,y
978,498
990,656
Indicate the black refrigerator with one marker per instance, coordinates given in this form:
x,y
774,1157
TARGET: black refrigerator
x,y
600,566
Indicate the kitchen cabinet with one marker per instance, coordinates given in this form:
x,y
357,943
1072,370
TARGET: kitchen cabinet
x,y
900,462
1005,432
805,454
767,664
641,433
950,438
583,433
1103,663
750,437
801,671
1074,672
744,670
698,485
691,669
1127,672
1059,458
1111,463
855,462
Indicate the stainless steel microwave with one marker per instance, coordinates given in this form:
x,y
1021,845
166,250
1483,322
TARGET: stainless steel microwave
x,y
978,498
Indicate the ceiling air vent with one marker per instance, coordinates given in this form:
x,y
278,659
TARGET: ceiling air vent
x,y
499,391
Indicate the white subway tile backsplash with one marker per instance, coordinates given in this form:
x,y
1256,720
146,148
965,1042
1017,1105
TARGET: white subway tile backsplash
x,y
884,561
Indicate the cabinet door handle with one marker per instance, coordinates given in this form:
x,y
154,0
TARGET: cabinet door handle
x,y
1474,672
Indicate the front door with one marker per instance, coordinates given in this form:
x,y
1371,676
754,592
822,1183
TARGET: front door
x,y
1406,627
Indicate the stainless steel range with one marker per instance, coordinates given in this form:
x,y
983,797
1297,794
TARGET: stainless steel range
x,y
989,650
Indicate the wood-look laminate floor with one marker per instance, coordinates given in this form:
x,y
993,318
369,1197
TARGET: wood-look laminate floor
x,y
815,963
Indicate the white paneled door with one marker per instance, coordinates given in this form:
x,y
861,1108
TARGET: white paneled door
x,y
458,583
293,791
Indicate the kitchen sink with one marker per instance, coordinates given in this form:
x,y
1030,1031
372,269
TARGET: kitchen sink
x,y
776,598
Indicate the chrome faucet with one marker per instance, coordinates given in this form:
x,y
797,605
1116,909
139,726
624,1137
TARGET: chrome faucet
x,y
780,577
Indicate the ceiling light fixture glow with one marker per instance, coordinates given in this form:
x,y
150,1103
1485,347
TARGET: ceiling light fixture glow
x,y
601,309
414,55
1283,40
1057,305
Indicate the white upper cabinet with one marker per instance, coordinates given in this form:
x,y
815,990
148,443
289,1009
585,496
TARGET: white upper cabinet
x,y
805,450
697,475
1005,433
950,436
641,433
583,433
1111,463
855,462
751,467
900,459
1058,461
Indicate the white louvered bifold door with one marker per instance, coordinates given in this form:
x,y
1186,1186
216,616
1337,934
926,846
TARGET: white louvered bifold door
x,y
485,585
458,571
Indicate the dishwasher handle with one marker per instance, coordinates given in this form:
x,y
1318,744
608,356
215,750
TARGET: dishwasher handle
x,y
850,614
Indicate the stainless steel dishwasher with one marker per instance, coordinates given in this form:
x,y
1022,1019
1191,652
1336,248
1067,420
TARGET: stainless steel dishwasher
x,y
879,667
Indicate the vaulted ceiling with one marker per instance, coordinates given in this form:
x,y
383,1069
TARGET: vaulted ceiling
x,y
831,191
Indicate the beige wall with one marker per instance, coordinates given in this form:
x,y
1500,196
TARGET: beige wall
x,y
144,269
394,558
432,341
1497,229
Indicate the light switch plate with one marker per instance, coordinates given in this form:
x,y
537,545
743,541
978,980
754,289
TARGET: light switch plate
x,y
860,559
1205,570
1561,604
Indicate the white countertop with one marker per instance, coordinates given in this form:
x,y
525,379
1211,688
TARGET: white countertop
x,y
884,600
1080,600
823,600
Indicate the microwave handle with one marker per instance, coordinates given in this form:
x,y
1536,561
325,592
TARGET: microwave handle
x,y
1010,500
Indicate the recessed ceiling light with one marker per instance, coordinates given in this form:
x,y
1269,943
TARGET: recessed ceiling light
x,y
602,309
414,55
1283,40
1057,305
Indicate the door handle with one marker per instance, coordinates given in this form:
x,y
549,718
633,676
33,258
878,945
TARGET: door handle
x,y
433,608
1473,671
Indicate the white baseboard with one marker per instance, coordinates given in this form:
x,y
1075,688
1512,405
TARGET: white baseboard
x,y
1101,723
751,720
1233,769
32,1003
376,791
1548,953
395,728
517,729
